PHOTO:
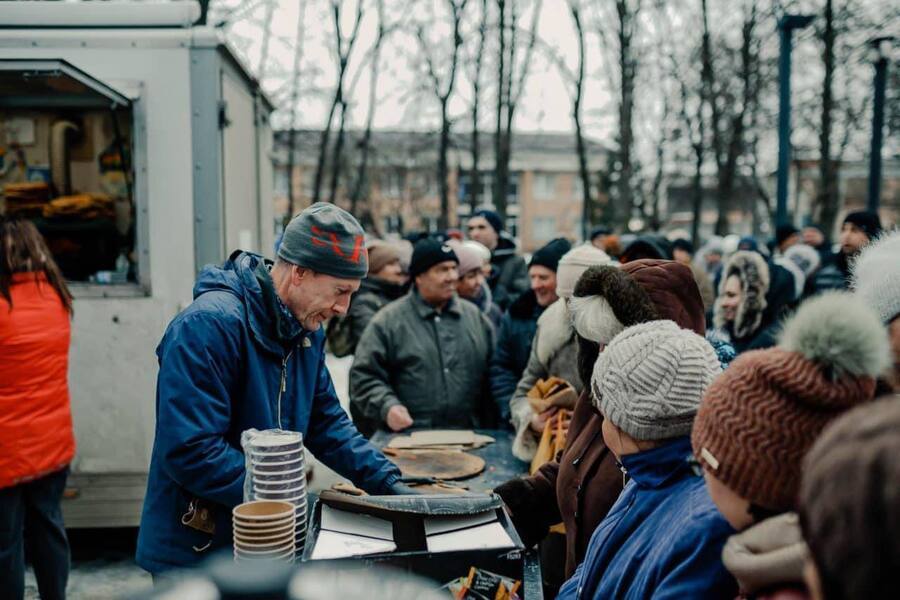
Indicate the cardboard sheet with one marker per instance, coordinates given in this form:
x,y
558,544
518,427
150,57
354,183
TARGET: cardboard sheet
x,y
445,524
483,537
342,521
330,544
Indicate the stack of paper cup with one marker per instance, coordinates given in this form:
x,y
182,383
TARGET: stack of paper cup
x,y
277,469
264,530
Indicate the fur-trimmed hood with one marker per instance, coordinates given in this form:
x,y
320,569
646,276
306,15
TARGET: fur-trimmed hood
x,y
555,326
753,272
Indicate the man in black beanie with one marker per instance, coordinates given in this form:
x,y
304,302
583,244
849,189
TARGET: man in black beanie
x,y
423,358
520,322
858,229
509,275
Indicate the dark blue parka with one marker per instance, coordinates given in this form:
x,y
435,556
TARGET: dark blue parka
x,y
517,328
229,362
662,538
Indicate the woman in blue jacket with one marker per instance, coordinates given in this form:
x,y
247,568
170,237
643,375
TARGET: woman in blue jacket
x,y
663,537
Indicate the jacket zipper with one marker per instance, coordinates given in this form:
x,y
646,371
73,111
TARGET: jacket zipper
x,y
283,388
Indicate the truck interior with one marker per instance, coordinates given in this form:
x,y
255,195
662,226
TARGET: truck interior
x,y
66,149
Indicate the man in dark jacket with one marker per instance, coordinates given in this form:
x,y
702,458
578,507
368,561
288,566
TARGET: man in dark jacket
x,y
858,229
423,359
509,275
249,353
518,325
385,283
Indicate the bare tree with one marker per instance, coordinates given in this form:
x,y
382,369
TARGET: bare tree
x,y
343,47
364,144
443,87
474,175
577,81
511,81
294,108
627,13
728,110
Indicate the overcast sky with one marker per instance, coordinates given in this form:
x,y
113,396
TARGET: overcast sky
x,y
545,106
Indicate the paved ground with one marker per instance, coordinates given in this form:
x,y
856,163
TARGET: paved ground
x,y
103,559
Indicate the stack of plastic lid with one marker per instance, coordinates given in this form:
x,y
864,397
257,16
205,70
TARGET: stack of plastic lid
x,y
277,473
264,530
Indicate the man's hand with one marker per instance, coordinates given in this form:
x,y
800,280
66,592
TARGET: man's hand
x,y
563,419
539,420
398,418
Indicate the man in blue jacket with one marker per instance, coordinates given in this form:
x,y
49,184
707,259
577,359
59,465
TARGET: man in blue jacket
x,y
249,353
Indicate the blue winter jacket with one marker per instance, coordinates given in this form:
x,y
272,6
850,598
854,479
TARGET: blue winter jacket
x,y
517,329
234,359
662,538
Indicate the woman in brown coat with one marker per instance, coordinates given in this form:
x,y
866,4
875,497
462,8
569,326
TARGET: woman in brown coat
x,y
583,483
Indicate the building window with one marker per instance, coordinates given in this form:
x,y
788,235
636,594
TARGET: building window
x,y
577,187
512,189
543,228
281,182
544,186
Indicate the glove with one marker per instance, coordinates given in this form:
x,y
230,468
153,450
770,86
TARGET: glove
x,y
398,488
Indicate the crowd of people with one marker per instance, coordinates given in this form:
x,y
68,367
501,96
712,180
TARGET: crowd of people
x,y
716,423
690,386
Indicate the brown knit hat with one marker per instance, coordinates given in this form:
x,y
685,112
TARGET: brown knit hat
x,y
381,254
760,417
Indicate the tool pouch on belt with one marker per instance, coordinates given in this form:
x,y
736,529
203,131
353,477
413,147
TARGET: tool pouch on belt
x,y
200,516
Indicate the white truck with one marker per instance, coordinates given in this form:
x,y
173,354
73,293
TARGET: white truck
x,y
165,136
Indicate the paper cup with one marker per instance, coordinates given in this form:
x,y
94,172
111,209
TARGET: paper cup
x,y
287,556
286,548
261,532
274,442
260,511
295,485
275,466
278,476
276,457
291,497
265,545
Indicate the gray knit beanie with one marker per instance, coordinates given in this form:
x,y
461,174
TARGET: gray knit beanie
x,y
649,381
326,239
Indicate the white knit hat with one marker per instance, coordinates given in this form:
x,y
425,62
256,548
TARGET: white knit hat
x,y
650,379
876,275
575,262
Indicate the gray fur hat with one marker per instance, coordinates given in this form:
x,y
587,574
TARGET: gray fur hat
x,y
876,275
752,270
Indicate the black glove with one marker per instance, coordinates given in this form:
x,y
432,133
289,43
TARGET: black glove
x,y
398,488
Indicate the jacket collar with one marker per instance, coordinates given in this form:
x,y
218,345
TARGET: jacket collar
x,y
654,468
427,311
382,287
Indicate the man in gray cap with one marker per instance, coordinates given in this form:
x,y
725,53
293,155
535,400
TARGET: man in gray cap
x,y
249,353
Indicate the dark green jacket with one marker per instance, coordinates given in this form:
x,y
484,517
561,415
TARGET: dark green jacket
x,y
433,363
345,332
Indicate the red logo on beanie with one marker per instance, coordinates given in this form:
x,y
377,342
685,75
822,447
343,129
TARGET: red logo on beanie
x,y
333,242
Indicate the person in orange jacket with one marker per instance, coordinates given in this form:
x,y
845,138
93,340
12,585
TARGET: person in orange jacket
x,y
36,439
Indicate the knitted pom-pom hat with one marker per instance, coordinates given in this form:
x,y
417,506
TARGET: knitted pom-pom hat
x,y
759,418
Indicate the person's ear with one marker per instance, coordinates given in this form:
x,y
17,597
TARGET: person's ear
x,y
299,274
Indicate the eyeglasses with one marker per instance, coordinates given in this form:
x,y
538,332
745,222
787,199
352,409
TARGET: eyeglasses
x,y
694,464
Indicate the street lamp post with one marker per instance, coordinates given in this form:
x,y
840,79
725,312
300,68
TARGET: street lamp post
x,y
786,26
882,47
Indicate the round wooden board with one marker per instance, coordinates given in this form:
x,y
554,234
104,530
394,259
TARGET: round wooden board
x,y
440,464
